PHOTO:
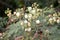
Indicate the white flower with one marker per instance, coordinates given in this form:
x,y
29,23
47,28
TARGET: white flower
x,y
33,8
26,16
25,29
54,18
28,29
37,21
38,10
29,8
51,5
35,4
47,31
50,19
33,12
25,21
21,23
1,37
14,13
9,15
18,14
29,24
49,15
55,14
30,15
58,21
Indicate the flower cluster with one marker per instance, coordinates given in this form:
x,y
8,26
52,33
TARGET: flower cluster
x,y
33,14
54,18
33,17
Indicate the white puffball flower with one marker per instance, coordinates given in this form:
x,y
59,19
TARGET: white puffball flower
x,y
29,24
38,10
29,8
33,12
33,8
47,31
1,37
37,21
26,16
18,14
54,18
21,23
58,21
51,5
25,21
28,29
30,15
50,19
14,13
35,4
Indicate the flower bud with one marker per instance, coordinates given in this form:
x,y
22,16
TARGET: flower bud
x,y
29,8
58,21
25,21
37,21
22,23
28,29
26,16
17,14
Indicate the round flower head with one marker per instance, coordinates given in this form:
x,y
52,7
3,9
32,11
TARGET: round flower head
x,y
9,15
47,31
51,5
26,16
55,14
33,11
37,21
29,8
29,24
18,14
30,15
50,19
38,10
22,23
49,15
54,18
21,9
35,4
25,21
28,29
14,13
58,21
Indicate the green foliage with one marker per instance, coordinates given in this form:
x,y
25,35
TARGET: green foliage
x,y
16,29
3,22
